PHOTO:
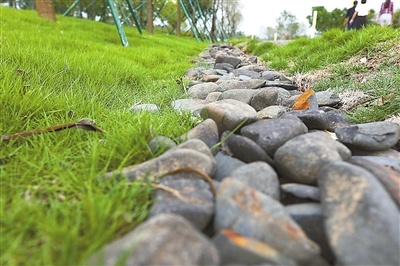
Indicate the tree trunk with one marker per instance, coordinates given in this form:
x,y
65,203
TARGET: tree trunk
x,y
214,22
150,27
45,9
178,18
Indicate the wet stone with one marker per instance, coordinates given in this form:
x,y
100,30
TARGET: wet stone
x,y
165,239
362,221
303,167
272,133
375,136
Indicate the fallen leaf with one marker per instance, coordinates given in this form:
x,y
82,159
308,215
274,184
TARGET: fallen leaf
x,y
304,101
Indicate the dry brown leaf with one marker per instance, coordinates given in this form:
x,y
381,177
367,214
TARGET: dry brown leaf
x,y
304,101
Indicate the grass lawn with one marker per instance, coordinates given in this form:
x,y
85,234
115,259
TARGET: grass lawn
x,y
54,210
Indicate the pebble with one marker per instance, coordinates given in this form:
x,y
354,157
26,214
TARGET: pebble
x,y
304,187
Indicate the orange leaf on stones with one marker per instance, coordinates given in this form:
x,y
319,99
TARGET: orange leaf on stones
x,y
304,101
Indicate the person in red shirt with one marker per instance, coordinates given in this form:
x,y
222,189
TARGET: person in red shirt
x,y
386,16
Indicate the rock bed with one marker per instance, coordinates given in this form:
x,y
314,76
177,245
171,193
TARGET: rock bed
x,y
288,187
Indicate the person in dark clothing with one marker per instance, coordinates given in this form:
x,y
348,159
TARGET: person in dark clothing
x,y
349,15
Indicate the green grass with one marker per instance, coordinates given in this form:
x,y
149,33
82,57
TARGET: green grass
x,y
54,208
332,51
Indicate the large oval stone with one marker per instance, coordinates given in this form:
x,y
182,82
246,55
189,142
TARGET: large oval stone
x,y
362,221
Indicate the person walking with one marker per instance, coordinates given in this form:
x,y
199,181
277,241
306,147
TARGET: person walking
x,y
359,18
386,16
349,15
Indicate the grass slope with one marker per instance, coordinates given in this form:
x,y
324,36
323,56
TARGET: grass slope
x,y
54,210
366,60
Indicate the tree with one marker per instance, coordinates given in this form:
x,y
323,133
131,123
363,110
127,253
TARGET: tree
x,y
149,22
328,20
231,16
287,26
214,21
45,9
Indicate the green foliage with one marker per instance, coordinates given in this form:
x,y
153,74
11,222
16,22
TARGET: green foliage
x,y
55,208
328,20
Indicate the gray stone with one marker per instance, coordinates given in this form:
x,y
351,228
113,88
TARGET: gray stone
x,y
247,150
159,144
327,98
200,91
362,221
153,108
207,131
384,171
169,162
287,85
311,219
232,60
318,119
274,111
253,214
272,133
388,153
241,95
240,84
213,96
260,176
235,249
301,191
264,98
195,201
274,76
229,114
224,66
249,73
226,165
193,73
165,239
375,136
301,158
189,105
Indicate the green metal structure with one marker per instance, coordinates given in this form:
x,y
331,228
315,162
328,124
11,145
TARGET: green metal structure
x,y
191,9
110,4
